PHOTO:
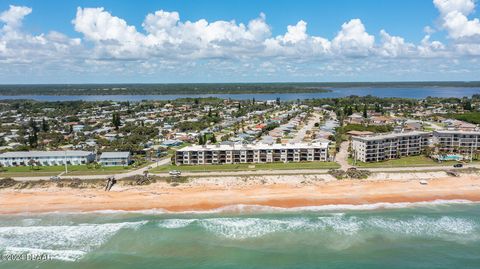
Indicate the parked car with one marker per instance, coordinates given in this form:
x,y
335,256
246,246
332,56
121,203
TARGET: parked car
x,y
175,173
458,165
55,178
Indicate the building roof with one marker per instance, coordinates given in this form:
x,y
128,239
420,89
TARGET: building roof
x,y
457,132
389,135
115,154
35,154
359,133
255,146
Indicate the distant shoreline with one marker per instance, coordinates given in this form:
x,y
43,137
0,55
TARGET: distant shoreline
x,y
212,88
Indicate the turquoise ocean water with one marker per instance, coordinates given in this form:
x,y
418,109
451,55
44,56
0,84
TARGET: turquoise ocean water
x,y
425,235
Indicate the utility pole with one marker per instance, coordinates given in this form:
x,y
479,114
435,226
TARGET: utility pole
x,y
65,161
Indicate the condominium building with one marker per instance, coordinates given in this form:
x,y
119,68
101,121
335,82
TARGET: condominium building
x,y
381,147
253,153
46,158
466,142
122,158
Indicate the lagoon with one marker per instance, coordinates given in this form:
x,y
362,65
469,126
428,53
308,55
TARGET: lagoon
x,y
417,92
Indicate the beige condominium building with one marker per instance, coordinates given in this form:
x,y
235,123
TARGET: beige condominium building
x,y
375,148
253,153
466,142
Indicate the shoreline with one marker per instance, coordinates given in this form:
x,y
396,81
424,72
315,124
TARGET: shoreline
x,y
211,194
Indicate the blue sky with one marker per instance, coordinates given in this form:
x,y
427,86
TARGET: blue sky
x,y
344,40
406,18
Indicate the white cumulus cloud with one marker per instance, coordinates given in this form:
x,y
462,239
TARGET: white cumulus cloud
x,y
353,39
164,42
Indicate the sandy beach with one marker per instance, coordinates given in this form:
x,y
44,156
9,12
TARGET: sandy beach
x,y
286,191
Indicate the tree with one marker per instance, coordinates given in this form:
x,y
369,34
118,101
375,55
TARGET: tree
x,y
200,140
365,114
347,110
116,121
213,139
32,163
45,126
32,136
467,105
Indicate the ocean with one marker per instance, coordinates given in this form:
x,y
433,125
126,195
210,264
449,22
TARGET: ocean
x,y
422,235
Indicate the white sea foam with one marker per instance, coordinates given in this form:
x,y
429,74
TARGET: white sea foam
x,y
60,239
244,208
30,222
339,224
175,223
242,228
63,255
423,226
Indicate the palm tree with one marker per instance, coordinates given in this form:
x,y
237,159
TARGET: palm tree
x,y
32,163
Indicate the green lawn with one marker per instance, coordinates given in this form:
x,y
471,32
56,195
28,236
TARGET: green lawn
x,y
411,161
55,170
247,167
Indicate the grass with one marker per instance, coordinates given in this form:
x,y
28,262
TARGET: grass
x,y
246,167
410,161
472,117
20,171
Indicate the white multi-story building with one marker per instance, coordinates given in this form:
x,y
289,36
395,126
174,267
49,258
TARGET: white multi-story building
x,y
466,142
253,153
381,147
46,158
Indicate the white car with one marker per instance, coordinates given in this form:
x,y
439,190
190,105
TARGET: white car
x,y
175,173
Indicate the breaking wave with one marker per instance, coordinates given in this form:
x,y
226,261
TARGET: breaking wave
x,y
417,226
66,243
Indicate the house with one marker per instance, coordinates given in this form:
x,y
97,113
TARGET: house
x,y
121,158
355,118
78,128
171,143
380,120
412,125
